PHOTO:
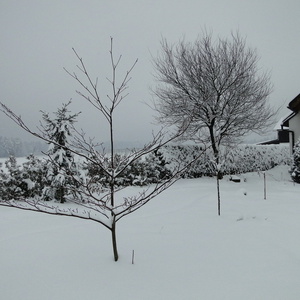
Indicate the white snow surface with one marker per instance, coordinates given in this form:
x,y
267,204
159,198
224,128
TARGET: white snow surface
x,y
183,250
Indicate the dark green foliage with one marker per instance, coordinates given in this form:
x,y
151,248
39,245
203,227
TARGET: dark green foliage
x,y
22,181
62,168
156,167
139,172
295,170
33,178
160,164
237,160
35,169
12,185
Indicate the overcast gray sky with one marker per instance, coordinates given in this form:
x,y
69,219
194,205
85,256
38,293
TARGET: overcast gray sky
x,y
37,37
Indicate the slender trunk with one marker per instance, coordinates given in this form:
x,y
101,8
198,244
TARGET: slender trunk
x,y
215,148
112,164
112,191
114,240
213,141
219,174
219,196
212,137
217,161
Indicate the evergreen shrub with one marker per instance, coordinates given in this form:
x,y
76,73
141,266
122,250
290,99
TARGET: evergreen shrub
x,y
295,170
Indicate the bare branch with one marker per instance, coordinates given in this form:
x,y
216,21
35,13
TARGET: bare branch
x,y
216,84
43,207
99,203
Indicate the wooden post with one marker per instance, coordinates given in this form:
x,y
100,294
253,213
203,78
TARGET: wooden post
x,y
265,187
219,197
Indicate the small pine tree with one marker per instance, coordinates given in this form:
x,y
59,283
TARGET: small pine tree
x,y
61,165
157,170
295,171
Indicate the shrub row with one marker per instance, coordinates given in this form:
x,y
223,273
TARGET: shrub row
x,y
30,178
237,160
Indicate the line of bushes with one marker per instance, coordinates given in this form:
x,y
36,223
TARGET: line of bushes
x,y
30,178
240,159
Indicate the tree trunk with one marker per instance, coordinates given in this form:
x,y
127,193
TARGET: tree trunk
x,y
215,148
112,189
219,196
114,240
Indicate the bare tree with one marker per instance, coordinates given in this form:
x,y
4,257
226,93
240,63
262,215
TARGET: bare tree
x,y
97,203
217,86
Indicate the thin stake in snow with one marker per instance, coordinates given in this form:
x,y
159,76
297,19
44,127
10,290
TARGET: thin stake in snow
x,y
265,187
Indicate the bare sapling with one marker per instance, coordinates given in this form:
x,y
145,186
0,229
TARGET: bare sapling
x,y
104,205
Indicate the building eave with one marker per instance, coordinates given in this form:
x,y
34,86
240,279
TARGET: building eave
x,y
285,121
294,105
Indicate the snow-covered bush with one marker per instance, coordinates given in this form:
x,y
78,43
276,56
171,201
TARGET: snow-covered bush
x,y
295,170
22,181
156,168
35,177
177,154
160,164
139,172
13,183
237,160
250,158
35,170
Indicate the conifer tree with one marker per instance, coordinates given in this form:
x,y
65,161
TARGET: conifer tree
x,y
61,164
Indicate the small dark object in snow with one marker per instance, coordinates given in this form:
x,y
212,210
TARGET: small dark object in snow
x,y
235,179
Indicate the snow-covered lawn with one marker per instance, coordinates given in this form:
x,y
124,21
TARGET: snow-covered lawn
x,y
183,250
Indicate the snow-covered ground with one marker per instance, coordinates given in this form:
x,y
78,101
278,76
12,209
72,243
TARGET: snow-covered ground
x,y
183,250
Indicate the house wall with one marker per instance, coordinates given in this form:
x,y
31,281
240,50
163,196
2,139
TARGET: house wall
x,y
294,125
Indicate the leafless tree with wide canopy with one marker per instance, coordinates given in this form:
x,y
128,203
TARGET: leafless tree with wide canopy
x,y
217,86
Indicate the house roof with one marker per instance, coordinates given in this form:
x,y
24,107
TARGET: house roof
x,y
282,123
294,105
285,122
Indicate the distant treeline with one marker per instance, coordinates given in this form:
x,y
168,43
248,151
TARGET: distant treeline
x,y
17,147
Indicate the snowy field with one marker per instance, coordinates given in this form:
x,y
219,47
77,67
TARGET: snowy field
x,y
183,250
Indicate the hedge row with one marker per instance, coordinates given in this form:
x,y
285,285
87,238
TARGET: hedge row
x,y
30,178
237,160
